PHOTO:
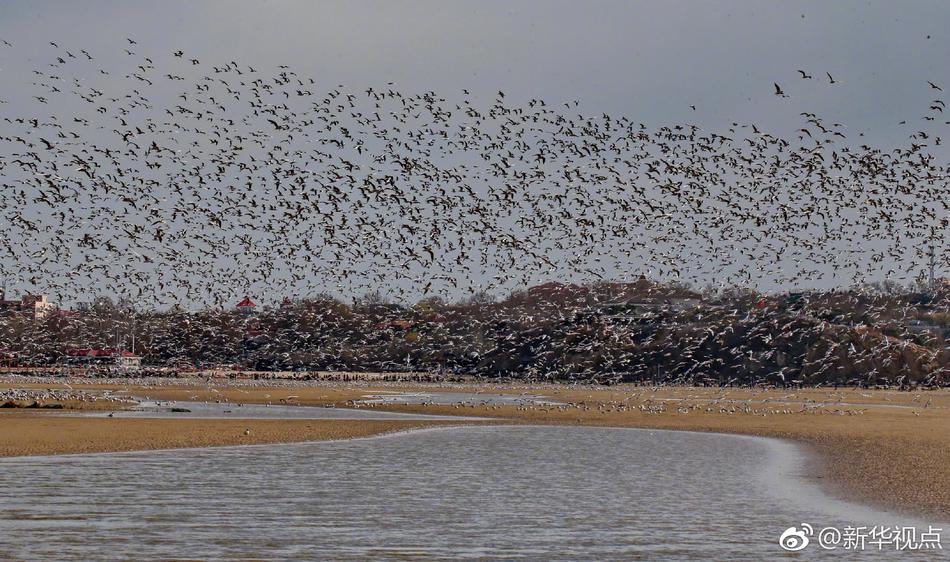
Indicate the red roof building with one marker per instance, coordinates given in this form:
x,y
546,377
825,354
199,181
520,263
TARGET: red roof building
x,y
246,305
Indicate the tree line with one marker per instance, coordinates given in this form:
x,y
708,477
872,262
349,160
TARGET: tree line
x,y
607,333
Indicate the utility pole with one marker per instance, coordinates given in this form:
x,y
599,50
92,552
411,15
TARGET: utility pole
x,y
933,281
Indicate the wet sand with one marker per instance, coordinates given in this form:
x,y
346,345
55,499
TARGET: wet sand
x,y
39,434
886,448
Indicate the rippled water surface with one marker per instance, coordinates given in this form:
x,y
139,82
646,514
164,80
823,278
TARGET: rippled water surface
x,y
540,493
231,410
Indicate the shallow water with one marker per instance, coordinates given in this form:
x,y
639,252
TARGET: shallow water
x,y
465,398
540,493
231,410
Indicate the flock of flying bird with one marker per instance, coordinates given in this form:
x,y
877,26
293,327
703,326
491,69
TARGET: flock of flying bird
x,y
172,179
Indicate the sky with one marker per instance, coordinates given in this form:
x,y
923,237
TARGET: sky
x,y
650,61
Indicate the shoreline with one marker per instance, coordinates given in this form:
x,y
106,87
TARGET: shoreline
x,y
893,458
394,432
47,436
882,472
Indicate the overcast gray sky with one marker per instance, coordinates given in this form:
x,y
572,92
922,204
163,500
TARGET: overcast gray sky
x,y
649,61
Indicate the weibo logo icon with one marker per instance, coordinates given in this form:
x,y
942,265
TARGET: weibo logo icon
x,y
795,539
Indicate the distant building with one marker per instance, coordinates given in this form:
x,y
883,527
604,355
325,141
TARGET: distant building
x,y
246,306
9,358
117,359
36,307
248,309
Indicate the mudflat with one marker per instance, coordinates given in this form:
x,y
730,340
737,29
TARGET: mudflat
x,y
885,447
39,434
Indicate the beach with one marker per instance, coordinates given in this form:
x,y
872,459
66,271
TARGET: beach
x,y
887,448
53,435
